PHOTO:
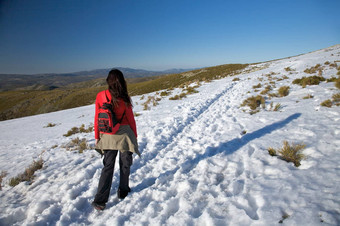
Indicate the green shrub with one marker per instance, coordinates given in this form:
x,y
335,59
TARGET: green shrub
x,y
335,100
337,83
257,86
283,91
176,97
312,80
290,153
28,175
72,131
182,95
82,129
164,93
327,103
191,90
314,69
332,79
254,102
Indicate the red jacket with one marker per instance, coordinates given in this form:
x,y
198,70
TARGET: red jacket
x,y
128,119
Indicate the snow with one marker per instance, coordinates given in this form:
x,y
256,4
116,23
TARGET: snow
x,y
197,167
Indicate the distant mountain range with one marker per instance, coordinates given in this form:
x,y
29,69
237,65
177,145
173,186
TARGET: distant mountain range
x,y
53,80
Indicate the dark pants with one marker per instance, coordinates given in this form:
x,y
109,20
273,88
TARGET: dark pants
x,y
105,181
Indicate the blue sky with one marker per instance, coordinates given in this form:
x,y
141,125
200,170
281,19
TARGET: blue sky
x,y
45,36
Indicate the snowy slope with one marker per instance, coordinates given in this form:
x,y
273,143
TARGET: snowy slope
x,y
197,168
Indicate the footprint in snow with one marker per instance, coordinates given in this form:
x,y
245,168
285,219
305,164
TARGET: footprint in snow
x,y
238,187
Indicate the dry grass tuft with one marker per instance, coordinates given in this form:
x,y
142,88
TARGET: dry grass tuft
x,y
3,174
337,82
50,125
336,98
81,129
283,91
277,107
77,144
164,93
314,69
309,96
136,114
272,151
327,103
254,102
290,153
312,80
288,69
28,175
257,86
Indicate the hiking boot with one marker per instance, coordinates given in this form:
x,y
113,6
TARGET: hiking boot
x,y
98,206
122,193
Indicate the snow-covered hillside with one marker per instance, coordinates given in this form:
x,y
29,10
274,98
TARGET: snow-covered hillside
x,y
204,159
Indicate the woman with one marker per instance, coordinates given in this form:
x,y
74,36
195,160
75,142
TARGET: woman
x,y
124,140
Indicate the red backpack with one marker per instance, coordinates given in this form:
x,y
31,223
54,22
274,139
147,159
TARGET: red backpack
x,y
107,120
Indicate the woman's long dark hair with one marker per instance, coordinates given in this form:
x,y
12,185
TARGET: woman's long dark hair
x,y
117,87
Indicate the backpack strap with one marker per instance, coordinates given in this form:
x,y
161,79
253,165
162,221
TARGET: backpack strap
x,y
120,121
107,99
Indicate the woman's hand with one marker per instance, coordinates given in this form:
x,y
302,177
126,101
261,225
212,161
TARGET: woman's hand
x,y
97,140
